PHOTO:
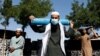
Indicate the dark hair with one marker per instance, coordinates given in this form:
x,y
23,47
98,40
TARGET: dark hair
x,y
81,31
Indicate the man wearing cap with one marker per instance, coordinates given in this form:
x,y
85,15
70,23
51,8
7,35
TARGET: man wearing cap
x,y
53,36
17,44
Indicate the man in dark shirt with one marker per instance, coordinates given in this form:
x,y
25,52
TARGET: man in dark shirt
x,y
54,34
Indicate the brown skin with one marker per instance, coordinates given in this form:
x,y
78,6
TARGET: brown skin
x,y
84,31
11,49
18,33
54,16
31,17
86,48
71,24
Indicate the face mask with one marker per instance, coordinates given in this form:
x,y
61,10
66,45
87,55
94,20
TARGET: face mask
x,y
54,21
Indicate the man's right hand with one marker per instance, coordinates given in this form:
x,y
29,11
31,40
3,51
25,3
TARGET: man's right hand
x,y
31,17
11,49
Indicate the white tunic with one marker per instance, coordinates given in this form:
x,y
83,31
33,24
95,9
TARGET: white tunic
x,y
46,36
18,44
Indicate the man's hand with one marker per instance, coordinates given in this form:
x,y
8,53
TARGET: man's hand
x,y
31,17
71,24
11,49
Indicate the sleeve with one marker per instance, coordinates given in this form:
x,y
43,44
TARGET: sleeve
x,y
72,33
21,43
37,28
11,41
93,34
69,33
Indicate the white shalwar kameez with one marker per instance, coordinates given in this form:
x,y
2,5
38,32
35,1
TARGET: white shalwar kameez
x,y
18,44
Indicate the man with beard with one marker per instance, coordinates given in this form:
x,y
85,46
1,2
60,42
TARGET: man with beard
x,y
53,35
17,44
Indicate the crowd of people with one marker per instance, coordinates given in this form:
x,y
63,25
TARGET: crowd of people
x,y
54,35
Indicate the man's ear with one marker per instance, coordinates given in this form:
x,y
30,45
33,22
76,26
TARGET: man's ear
x,y
59,17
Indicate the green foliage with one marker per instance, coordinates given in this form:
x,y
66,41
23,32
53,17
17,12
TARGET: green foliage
x,y
89,15
95,12
0,9
6,10
39,8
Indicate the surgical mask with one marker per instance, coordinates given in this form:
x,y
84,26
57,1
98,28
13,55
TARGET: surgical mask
x,y
54,21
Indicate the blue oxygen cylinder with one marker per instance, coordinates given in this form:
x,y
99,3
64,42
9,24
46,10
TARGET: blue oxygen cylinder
x,y
40,21
65,21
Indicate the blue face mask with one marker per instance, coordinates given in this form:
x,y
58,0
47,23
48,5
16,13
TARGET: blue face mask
x,y
54,21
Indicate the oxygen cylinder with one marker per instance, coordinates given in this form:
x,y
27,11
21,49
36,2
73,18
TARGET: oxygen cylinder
x,y
40,21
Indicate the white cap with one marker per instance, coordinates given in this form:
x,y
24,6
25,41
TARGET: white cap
x,y
55,13
18,29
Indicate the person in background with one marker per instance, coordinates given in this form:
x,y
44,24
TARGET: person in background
x,y
17,44
86,47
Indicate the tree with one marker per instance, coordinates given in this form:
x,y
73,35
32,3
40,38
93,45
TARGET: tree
x,y
89,15
94,9
39,8
0,5
0,8
6,10
78,14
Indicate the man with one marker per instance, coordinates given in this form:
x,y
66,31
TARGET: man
x,y
86,47
53,36
17,44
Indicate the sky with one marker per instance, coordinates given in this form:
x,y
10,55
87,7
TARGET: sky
x,y
62,6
